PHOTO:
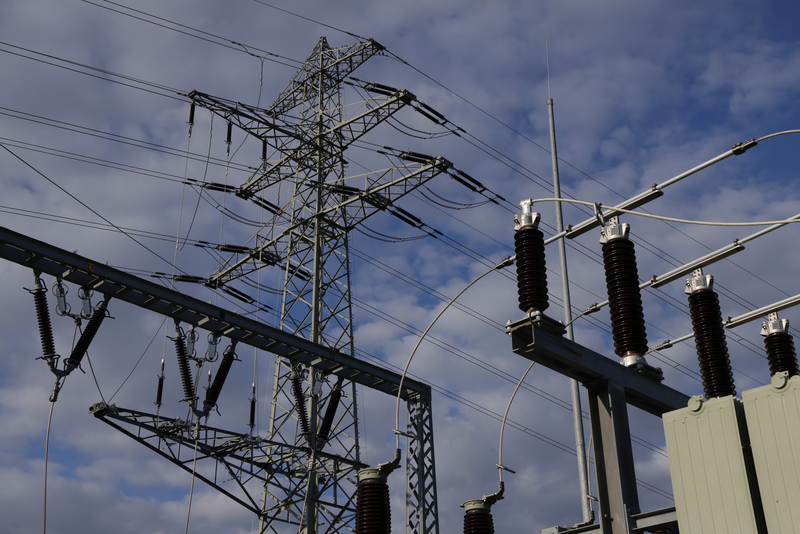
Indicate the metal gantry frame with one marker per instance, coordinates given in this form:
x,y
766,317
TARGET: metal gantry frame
x,y
247,461
610,388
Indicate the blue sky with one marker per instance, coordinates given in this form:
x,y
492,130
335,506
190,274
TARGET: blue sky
x,y
643,91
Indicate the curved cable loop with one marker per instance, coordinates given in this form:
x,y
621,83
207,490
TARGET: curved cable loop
x,y
504,263
598,206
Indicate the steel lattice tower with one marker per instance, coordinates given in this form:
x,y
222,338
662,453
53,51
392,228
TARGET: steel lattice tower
x,y
305,133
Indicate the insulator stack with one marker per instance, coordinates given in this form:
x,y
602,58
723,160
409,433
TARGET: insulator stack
x,y
330,412
300,401
87,336
531,267
478,522
780,346
624,296
373,514
478,516
183,365
709,335
253,409
43,317
191,119
212,393
160,391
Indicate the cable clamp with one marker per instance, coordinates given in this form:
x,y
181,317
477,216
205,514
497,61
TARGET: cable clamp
x,y
504,468
598,213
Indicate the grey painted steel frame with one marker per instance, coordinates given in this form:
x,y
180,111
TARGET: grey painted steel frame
x,y
611,387
87,273
422,512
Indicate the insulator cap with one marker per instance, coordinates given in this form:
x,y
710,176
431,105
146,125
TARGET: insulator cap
x,y
528,217
699,281
614,230
773,324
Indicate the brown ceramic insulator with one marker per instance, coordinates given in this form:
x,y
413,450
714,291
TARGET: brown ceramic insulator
x,y
160,391
330,412
373,514
212,393
43,317
712,349
780,353
478,521
300,401
87,336
183,367
531,269
624,298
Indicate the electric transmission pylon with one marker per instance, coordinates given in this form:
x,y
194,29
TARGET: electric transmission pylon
x,y
305,133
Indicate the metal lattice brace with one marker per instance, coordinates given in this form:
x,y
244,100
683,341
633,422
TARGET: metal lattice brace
x,y
421,502
237,464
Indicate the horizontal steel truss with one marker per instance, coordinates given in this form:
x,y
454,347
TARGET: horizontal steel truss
x,y
219,444
90,274
246,462
87,273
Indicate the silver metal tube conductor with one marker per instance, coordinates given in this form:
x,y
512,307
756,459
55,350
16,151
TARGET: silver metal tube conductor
x,y
644,197
577,413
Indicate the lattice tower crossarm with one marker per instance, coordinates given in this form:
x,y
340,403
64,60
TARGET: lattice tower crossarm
x,y
307,130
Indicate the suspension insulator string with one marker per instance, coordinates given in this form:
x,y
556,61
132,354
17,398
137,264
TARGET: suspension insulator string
x,y
624,295
212,393
779,344
252,423
92,326
300,400
39,293
183,365
191,119
160,390
709,335
330,411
